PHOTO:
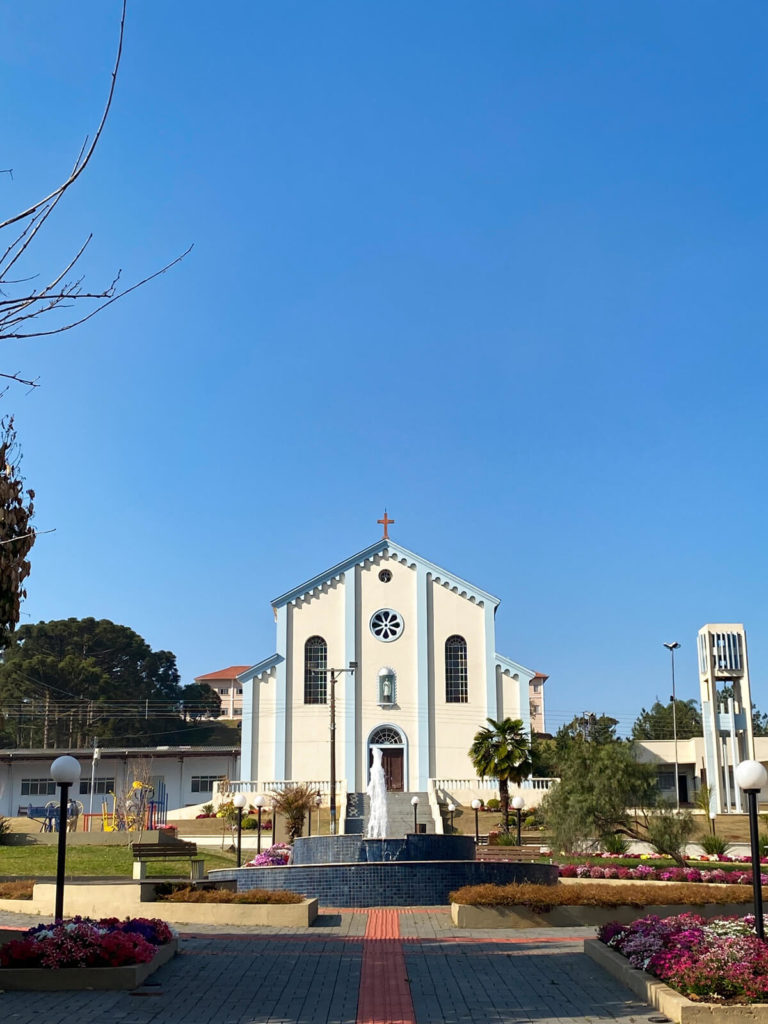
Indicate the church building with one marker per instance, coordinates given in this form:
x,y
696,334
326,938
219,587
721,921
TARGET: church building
x,y
397,652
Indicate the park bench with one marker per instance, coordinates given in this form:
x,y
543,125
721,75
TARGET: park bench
x,y
166,849
518,853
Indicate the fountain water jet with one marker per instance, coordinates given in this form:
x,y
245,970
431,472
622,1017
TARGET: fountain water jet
x,y
377,793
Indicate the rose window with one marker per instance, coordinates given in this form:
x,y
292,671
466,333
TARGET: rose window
x,y
387,624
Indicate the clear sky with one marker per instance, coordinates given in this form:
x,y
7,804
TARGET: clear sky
x,y
498,266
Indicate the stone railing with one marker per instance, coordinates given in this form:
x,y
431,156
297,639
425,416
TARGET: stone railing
x,y
463,791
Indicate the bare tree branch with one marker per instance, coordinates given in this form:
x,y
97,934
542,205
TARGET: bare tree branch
x,y
82,161
31,308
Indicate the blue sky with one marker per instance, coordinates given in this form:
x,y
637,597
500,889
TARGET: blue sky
x,y
499,267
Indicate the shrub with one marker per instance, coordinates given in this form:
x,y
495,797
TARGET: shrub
x,y
714,845
207,809
253,896
5,830
669,832
493,804
615,843
506,839
275,856
597,895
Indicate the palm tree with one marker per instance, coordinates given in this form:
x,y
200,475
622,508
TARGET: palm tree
x,y
502,750
294,802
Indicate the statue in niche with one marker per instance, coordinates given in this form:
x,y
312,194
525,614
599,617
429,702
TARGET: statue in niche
x,y
377,794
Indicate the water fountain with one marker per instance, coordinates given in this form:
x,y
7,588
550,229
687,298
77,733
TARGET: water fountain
x,y
384,871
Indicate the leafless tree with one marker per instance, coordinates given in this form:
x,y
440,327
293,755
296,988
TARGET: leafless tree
x,y
25,310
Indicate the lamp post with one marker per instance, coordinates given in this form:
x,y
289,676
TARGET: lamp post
x,y
239,801
751,776
451,811
415,805
712,820
64,772
259,802
518,803
672,648
476,805
318,804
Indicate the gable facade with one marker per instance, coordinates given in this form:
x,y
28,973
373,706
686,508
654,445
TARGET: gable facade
x,y
427,674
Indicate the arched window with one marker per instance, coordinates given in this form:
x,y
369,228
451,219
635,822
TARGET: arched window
x,y
315,665
456,670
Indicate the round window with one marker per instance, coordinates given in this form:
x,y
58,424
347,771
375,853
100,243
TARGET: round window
x,y
387,624
385,575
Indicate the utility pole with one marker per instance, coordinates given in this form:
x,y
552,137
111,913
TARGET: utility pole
x,y
332,796
45,717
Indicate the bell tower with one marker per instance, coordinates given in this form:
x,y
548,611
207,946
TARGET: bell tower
x,y
726,717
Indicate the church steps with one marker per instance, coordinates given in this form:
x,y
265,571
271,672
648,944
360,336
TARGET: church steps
x,y
399,813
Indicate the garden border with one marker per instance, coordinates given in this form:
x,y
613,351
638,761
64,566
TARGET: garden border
x,y
465,915
665,999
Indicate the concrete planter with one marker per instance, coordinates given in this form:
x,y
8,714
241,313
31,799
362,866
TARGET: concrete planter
x,y
137,899
70,979
276,915
574,917
673,1005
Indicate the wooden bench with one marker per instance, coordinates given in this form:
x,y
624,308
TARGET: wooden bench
x,y
518,853
167,849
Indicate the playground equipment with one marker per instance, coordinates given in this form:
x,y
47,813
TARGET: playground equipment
x,y
139,811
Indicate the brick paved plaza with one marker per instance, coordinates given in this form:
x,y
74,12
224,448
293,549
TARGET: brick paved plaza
x,y
374,967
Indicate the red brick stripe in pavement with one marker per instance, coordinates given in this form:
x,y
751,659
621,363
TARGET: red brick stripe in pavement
x,y
385,995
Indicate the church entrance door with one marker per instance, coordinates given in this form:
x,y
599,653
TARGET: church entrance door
x,y
389,739
392,763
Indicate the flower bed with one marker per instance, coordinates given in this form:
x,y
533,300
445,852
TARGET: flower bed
x,y
84,943
276,856
719,960
85,954
646,873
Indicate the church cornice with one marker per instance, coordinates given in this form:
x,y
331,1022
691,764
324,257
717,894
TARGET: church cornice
x,y
514,669
260,668
394,551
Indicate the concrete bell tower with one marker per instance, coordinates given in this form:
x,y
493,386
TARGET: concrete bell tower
x,y
727,723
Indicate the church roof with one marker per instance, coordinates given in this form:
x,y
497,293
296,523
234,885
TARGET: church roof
x,y
387,546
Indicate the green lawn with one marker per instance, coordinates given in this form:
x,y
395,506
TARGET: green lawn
x,y
40,861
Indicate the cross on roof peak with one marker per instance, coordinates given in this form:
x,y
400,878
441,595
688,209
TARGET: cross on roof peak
x,y
385,522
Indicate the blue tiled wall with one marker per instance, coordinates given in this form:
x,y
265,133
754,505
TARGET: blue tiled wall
x,y
355,849
405,884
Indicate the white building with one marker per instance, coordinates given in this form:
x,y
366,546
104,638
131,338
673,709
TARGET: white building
x,y
426,675
186,774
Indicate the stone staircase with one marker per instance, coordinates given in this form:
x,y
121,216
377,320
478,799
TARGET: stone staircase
x,y
399,814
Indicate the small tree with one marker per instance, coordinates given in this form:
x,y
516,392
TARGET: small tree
x,y
293,803
501,750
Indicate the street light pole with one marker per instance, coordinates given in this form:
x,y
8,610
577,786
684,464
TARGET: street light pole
x,y
672,648
239,801
476,805
751,776
518,803
64,771
259,801
415,805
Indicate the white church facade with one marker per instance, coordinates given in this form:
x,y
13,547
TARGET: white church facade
x,y
399,653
